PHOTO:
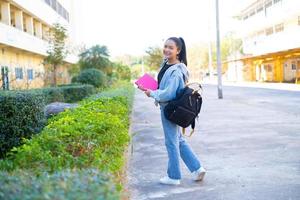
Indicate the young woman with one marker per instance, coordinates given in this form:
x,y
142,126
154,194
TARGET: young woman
x,y
171,79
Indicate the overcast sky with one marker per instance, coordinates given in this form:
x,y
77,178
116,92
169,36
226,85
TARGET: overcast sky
x,y
130,26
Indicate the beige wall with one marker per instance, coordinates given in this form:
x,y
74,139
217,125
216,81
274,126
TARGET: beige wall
x,y
14,58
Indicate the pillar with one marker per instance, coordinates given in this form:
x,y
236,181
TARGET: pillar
x,y
278,65
29,25
5,11
38,29
19,19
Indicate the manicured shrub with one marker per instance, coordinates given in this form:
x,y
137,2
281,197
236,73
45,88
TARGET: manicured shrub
x,y
92,76
22,112
74,79
119,88
64,160
88,184
21,115
52,94
67,93
74,93
92,135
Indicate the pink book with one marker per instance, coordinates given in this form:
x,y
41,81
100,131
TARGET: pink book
x,y
148,82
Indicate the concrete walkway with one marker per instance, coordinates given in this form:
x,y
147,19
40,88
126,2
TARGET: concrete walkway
x,y
249,142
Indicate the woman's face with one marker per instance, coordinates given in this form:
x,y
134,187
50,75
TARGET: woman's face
x,y
170,50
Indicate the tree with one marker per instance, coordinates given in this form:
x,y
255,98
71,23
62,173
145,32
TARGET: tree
x,y
95,57
154,57
57,50
122,72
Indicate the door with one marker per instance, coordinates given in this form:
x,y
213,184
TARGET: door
x,y
4,78
290,70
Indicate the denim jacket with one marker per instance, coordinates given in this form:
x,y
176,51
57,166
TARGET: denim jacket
x,y
171,83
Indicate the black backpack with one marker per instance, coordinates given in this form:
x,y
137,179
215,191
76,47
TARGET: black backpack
x,y
184,109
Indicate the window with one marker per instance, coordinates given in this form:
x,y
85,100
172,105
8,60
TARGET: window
x,y
276,1
30,74
294,65
268,4
279,27
260,8
252,12
19,73
53,4
299,20
48,2
269,67
269,31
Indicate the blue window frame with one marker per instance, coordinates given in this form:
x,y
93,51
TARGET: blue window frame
x,y
30,74
19,73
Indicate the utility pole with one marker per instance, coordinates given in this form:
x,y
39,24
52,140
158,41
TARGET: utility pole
x,y
210,61
219,64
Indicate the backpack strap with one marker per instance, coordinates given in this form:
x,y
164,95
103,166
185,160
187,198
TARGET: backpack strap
x,y
192,131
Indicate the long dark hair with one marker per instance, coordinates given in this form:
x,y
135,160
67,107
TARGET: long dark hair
x,y
181,47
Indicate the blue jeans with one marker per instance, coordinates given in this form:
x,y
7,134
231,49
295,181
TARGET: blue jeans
x,y
176,145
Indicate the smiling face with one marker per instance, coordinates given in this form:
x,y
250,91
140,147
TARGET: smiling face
x,y
170,50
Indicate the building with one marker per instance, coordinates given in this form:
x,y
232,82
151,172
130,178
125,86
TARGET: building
x,y
270,31
24,26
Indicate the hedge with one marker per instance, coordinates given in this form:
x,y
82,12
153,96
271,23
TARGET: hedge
x,y
56,163
22,112
93,135
88,184
66,93
21,115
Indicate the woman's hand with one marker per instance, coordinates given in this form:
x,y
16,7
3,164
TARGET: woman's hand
x,y
142,88
147,92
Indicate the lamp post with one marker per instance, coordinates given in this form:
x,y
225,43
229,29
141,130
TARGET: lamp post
x,y
219,64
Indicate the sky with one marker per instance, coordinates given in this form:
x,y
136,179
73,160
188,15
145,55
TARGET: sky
x,y
130,26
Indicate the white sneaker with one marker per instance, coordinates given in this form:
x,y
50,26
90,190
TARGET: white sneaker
x,y
198,175
169,181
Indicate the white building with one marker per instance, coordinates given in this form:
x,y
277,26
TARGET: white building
x,y
270,31
24,26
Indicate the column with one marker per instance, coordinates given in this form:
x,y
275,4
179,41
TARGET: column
x,y
5,11
19,19
278,76
38,29
29,25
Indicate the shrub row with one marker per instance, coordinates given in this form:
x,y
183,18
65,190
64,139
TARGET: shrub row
x,y
66,93
91,136
89,184
22,112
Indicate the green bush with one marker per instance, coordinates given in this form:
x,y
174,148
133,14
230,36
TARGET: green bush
x,y
93,135
74,79
74,93
64,160
52,94
21,116
119,88
67,93
22,112
92,76
89,184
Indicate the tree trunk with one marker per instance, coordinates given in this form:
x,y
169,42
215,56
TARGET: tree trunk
x,y
54,76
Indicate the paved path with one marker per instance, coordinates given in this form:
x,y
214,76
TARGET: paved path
x,y
249,142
